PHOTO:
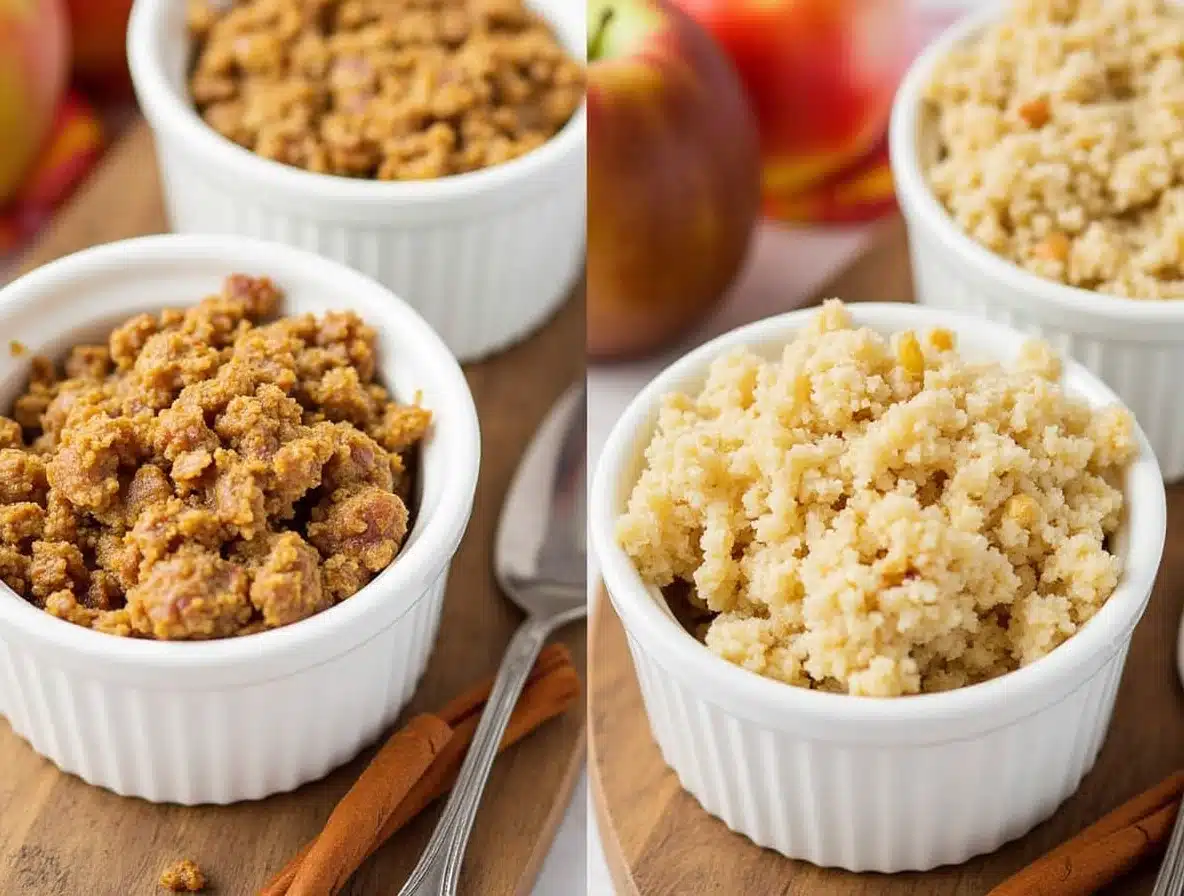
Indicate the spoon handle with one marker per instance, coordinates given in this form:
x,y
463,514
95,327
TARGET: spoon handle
x,y
438,870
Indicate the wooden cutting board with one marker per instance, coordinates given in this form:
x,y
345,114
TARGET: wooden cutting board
x,y
61,837
659,842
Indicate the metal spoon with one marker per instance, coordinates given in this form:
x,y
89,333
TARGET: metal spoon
x,y
1170,881
540,560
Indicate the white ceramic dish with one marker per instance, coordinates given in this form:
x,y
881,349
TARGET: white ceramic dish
x,y
856,782
236,719
1137,347
485,257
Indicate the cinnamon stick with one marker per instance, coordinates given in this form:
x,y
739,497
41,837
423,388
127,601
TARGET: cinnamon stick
x,y
387,780
1105,850
473,701
551,687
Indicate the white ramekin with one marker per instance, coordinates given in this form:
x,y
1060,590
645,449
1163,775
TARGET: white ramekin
x,y
863,783
1137,347
485,257
237,719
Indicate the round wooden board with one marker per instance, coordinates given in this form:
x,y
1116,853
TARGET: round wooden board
x,y
659,841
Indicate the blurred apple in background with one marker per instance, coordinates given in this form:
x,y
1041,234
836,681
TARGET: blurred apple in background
x,y
673,175
862,191
821,75
34,52
99,37
73,146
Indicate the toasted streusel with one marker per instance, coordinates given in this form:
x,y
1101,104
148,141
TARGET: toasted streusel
x,y
386,89
880,516
1060,142
206,473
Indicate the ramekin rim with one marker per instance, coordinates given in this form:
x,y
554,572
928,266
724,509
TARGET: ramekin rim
x,y
688,660
164,106
919,203
414,570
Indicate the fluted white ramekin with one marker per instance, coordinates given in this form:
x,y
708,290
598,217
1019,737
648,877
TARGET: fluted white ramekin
x,y
237,719
1136,346
485,257
864,783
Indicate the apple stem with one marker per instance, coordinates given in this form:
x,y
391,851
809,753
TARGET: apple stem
x,y
596,44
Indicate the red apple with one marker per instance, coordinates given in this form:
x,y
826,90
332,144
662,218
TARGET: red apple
x,y
821,75
863,191
34,48
673,175
99,29
69,153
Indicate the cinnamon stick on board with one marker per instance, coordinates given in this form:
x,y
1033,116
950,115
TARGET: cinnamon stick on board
x,y
552,686
388,779
1104,851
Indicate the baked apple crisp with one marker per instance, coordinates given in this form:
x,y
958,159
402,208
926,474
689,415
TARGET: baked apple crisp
x,y
206,473
880,516
385,89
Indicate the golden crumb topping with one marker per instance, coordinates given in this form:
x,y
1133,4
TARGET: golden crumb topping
x,y
880,516
1060,142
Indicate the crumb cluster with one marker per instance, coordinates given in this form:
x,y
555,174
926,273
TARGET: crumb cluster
x,y
183,877
386,89
881,516
206,473
1060,142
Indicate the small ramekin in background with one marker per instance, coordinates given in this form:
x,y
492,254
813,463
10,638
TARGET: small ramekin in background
x,y
862,783
1136,347
241,718
485,257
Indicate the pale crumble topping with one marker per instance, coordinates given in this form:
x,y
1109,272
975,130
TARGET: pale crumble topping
x,y
881,516
1060,142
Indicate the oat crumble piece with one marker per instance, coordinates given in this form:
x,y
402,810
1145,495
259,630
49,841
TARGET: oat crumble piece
x,y
878,516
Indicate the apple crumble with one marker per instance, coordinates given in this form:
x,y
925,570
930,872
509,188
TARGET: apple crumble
x,y
206,473
385,89
1060,142
880,516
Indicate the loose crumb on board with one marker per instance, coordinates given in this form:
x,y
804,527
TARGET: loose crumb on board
x,y
16,349
183,877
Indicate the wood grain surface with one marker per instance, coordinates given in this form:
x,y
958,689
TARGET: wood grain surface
x,y
61,837
659,842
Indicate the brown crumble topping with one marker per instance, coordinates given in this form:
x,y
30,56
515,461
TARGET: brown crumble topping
x,y
206,473
384,89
